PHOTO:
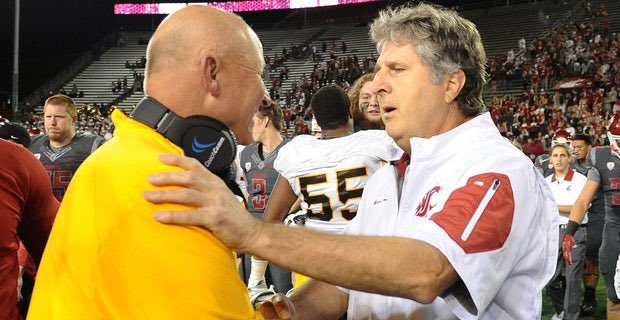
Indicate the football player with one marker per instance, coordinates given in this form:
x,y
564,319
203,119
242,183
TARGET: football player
x,y
61,150
604,173
364,105
256,161
327,173
582,144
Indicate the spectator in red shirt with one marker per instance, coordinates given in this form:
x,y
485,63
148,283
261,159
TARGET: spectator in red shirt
x,y
288,114
533,147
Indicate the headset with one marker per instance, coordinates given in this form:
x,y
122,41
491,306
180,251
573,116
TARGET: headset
x,y
203,138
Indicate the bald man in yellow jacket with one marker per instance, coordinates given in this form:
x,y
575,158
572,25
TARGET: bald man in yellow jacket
x,y
107,258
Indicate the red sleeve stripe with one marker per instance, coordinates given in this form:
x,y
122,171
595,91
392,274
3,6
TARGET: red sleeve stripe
x,y
478,216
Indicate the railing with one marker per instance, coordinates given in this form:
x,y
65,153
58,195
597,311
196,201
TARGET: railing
x,y
69,72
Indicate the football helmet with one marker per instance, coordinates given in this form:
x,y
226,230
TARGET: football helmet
x,y
562,137
613,134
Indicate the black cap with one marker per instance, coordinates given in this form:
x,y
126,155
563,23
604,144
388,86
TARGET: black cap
x,y
15,133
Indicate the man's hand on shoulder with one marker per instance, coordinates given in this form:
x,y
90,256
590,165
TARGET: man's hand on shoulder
x,y
217,208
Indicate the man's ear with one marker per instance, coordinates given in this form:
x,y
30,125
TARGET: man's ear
x,y
455,83
210,75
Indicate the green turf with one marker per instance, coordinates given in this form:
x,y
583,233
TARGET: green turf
x,y
601,298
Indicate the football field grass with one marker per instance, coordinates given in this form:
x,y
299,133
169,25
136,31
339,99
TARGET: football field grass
x,y
601,298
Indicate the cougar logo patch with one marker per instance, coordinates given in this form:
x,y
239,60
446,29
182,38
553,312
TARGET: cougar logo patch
x,y
427,203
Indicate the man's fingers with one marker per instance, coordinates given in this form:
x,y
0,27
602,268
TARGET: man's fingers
x,y
187,197
172,178
267,310
180,217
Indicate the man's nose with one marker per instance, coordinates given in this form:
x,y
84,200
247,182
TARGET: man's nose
x,y
379,85
373,101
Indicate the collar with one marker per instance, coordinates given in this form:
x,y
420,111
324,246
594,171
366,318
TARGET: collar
x,y
568,177
123,124
456,139
401,164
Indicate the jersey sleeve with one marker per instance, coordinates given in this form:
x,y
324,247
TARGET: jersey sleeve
x,y
594,175
34,143
591,161
379,146
244,156
98,141
485,230
288,157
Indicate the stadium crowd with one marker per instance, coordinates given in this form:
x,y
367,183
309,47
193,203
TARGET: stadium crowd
x,y
566,79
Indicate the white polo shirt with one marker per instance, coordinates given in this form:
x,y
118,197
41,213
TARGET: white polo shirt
x,y
566,190
481,202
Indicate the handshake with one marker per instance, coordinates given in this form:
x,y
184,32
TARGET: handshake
x,y
279,307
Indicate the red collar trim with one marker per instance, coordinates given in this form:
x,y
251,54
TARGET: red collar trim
x,y
568,177
402,164
467,119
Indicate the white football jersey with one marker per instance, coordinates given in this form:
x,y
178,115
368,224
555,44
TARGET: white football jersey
x,y
329,175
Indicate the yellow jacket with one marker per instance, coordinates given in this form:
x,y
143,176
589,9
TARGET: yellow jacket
x,y
107,258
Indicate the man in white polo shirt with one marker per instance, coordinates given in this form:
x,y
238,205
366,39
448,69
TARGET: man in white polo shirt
x,y
566,184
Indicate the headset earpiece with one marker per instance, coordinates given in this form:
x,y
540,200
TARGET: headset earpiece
x,y
203,138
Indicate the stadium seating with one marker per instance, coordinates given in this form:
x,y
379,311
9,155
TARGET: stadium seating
x,y
500,27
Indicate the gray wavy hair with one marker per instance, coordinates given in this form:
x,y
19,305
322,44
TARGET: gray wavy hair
x,y
445,41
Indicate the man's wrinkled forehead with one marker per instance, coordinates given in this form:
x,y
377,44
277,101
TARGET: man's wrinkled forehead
x,y
390,54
